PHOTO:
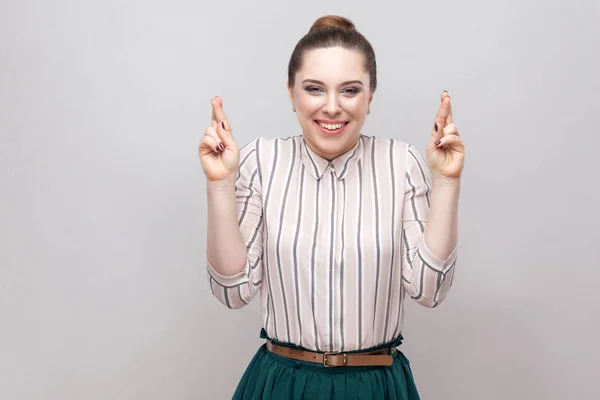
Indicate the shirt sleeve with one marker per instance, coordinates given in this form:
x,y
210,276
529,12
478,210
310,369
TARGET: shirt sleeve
x,y
238,290
425,277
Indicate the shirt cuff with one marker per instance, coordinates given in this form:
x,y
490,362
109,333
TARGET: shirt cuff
x,y
438,263
229,281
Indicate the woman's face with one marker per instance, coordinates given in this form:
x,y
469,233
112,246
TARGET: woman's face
x,y
332,96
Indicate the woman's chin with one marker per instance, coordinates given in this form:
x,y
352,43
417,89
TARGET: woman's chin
x,y
335,146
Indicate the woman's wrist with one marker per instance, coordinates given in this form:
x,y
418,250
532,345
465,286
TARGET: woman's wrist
x,y
220,186
444,181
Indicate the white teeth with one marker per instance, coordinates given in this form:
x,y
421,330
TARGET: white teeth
x,y
332,127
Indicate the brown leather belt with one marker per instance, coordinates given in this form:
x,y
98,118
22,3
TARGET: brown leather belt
x,y
374,358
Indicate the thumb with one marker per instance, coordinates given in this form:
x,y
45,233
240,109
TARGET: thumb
x,y
224,132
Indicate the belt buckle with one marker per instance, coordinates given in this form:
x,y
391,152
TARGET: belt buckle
x,y
333,353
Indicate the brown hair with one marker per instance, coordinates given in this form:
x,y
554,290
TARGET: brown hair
x,y
333,31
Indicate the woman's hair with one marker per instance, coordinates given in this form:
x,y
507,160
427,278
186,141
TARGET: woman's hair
x,y
333,31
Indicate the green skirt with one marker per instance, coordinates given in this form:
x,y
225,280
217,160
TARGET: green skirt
x,y
273,377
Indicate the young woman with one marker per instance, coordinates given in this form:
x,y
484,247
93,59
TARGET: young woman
x,y
333,228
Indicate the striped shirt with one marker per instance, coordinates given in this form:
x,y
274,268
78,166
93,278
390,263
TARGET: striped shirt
x,y
334,247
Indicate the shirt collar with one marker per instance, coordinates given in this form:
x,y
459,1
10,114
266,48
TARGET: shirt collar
x,y
341,165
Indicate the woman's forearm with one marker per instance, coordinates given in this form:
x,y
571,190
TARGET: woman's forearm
x,y
225,248
441,231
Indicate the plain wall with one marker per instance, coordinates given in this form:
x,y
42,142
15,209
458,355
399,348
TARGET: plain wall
x,y
103,287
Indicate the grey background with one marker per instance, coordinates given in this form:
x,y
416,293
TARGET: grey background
x,y
103,288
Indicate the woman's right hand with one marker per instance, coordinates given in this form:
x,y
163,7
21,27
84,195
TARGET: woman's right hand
x,y
219,155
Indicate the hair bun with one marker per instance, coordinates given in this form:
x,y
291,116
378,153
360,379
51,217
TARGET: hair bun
x,y
332,21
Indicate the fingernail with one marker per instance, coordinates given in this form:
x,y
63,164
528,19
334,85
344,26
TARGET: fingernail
x,y
436,127
222,145
438,142
223,124
217,149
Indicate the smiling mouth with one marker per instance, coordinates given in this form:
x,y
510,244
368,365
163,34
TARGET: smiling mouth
x,y
331,127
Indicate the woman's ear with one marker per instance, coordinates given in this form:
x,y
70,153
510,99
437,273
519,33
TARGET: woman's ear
x,y
369,103
291,95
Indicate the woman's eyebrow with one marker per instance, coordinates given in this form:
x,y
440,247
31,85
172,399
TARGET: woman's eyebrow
x,y
342,84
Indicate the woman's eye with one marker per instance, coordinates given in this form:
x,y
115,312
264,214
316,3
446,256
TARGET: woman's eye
x,y
312,89
315,89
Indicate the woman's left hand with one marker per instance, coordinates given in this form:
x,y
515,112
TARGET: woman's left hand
x,y
445,150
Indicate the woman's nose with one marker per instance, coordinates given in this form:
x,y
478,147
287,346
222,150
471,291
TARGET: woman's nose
x,y
331,106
